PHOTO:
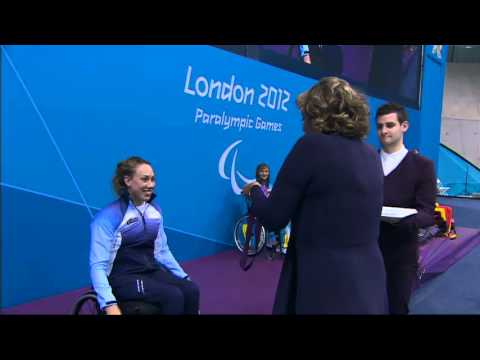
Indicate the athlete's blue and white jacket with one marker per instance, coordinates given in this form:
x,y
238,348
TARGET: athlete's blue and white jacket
x,y
106,238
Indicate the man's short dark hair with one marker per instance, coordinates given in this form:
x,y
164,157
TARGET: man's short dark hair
x,y
392,108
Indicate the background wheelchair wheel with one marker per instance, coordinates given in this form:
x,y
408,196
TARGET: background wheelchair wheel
x,y
239,236
87,305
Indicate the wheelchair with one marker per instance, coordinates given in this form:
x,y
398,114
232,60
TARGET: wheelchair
x,y
260,238
87,304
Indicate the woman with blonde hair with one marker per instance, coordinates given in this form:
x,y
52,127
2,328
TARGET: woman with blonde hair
x,y
330,187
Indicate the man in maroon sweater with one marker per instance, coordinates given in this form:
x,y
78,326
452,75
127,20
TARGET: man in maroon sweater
x,y
409,182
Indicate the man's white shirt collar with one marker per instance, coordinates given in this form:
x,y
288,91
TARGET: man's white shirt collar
x,y
392,160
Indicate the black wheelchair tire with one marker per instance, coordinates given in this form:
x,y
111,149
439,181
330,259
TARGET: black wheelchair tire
x,y
238,242
84,299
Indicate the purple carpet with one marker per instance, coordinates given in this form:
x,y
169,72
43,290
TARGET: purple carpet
x,y
54,305
226,289
439,254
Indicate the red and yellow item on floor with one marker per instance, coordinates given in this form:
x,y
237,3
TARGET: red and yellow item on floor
x,y
444,219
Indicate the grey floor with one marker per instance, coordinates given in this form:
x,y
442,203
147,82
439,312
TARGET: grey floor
x,y
457,291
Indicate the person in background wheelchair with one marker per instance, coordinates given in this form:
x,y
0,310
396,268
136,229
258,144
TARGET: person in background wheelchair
x,y
129,256
274,240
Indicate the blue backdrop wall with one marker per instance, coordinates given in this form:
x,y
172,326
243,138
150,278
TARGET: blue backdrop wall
x,y
203,116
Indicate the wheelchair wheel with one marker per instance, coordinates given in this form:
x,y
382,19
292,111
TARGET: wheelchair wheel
x,y
240,236
87,304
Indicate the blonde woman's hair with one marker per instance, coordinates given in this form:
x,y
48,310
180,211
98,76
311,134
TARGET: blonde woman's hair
x,y
333,106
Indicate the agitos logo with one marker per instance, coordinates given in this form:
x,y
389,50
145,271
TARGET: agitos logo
x,y
233,171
